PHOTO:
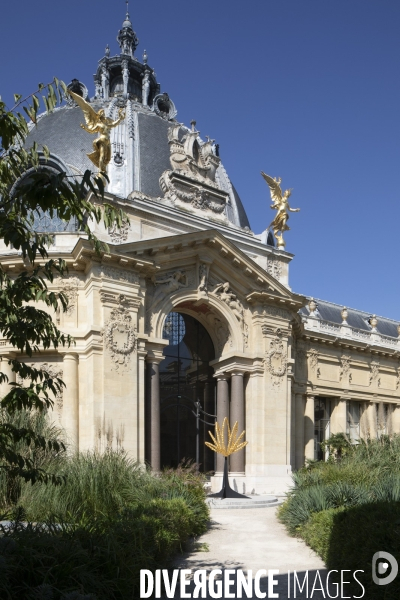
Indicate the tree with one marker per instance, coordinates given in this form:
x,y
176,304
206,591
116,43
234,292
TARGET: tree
x,y
23,324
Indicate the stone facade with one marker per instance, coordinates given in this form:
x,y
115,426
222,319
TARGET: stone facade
x,y
289,373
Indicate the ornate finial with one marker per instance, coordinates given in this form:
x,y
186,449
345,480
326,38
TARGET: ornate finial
x,y
312,306
107,51
127,39
145,57
280,203
193,124
373,321
344,315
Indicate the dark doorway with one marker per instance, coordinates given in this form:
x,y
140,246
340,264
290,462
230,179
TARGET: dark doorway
x,y
185,378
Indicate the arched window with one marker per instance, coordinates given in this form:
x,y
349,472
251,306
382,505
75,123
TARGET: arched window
x,y
186,378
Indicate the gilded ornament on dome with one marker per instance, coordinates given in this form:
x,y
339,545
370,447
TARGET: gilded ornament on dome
x,y
97,122
280,203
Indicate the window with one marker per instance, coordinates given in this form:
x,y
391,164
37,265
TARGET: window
x,y
322,415
353,421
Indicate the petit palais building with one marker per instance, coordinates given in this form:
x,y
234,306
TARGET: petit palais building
x,y
190,313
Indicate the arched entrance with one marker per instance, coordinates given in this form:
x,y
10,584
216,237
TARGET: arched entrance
x,y
186,378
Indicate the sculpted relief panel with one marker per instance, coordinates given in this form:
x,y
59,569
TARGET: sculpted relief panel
x,y
120,335
224,292
276,359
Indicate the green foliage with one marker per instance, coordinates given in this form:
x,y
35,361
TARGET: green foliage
x,y
317,531
348,539
99,486
27,188
349,509
112,520
40,458
338,445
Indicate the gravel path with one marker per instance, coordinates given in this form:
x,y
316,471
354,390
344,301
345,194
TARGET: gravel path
x,y
254,539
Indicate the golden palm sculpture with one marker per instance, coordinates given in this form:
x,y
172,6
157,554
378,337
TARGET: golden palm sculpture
x,y
234,444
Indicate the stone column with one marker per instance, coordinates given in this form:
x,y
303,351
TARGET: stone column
x,y
237,459
396,418
222,412
372,420
208,408
141,437
339,416
300,426
70,410
152,412
309,428
7,370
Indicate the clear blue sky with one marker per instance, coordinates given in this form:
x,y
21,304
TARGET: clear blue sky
x,y
308,90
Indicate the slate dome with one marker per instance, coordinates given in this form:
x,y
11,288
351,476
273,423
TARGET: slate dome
x,y
140,144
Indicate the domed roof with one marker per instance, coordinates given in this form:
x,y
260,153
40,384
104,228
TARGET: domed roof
x,y
141,143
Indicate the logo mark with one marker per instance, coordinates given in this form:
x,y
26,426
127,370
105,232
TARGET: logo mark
x,y
381,561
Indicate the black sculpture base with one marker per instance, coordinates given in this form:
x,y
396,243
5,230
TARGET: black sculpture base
x,y
227,491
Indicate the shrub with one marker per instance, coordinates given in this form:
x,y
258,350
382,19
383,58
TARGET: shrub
x,y
317,531
103,558
347,538
110,519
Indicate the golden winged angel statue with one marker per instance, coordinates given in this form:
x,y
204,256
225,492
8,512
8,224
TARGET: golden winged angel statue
x,y
281,204
97,122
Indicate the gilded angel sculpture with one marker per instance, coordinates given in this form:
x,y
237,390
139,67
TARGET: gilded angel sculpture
x,y
97,122
281,204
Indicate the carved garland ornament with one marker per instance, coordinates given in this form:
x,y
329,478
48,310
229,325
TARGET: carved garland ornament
x,y
198,198
276,359
344,367
119,335
119,235
274,268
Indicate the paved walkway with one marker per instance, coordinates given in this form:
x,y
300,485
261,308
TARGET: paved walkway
x,y
254,539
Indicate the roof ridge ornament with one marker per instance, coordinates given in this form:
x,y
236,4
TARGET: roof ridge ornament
x,y
127,38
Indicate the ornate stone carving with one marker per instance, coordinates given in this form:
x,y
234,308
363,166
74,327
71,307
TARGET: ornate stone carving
x,y
397,378
55,370
274,268
344,372
225,293
177,187
117,274
313,357
164,107
130,119
69,287
203,280
276,359
222,332
194,165
374,375
169,283
119,235
145,87
120,335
